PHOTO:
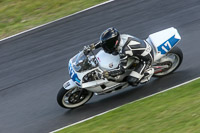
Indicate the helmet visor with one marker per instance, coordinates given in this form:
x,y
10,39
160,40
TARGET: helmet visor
x,y
109,46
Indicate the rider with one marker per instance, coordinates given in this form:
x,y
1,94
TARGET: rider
x,y
126,46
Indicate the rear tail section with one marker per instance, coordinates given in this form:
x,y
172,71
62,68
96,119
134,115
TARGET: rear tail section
x,y
163,41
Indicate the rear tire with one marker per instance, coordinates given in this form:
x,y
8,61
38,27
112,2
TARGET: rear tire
x,y
70,98
178,55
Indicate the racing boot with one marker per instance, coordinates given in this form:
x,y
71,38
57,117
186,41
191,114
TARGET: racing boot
x,y
147,75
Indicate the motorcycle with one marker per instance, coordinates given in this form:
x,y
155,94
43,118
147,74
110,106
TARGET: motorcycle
x,y
86,71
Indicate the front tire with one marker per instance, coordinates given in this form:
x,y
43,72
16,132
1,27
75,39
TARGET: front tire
x,y
73,98
174,59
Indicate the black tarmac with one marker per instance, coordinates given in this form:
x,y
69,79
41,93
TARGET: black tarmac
x,y
33,66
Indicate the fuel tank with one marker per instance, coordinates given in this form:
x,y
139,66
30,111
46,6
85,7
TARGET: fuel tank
x,y
107,61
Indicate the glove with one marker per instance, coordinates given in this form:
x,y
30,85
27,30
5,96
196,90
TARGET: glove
x,y
86,50
105,74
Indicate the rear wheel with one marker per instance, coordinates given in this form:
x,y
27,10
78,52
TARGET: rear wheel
x,y
168,63
73,98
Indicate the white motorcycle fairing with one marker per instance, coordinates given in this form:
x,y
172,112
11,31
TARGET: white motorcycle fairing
x,y
163,41
107,61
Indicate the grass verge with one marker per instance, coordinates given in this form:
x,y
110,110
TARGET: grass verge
x,y
20,15
174,111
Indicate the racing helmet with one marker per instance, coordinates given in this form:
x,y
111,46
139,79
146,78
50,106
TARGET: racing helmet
x,y
110,40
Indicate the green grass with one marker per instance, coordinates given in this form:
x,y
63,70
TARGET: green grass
x,y
174,111
19,15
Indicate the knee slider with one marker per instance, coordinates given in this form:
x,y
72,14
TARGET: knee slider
x,y
132,80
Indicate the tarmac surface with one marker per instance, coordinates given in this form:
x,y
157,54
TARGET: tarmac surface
x,y
33,66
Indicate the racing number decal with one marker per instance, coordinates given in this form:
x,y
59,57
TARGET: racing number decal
x,y
167,45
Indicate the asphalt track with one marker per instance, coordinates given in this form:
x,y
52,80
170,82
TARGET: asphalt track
x,y
33,66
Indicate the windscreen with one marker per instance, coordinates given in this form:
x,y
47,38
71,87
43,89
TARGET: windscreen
x,y
81,63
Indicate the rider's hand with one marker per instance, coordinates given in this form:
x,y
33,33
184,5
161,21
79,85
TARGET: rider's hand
x,y
105,74
86,50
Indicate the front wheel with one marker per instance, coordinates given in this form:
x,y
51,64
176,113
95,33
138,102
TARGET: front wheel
x,y
169,63
73,98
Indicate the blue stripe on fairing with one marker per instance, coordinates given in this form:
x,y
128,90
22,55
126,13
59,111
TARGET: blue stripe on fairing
x,y
73,75
172,42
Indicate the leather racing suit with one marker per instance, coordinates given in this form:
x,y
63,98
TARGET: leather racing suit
x,y
130,46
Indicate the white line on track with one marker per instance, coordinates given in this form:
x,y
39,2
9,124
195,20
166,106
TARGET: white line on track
x,y
126,104
56,20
